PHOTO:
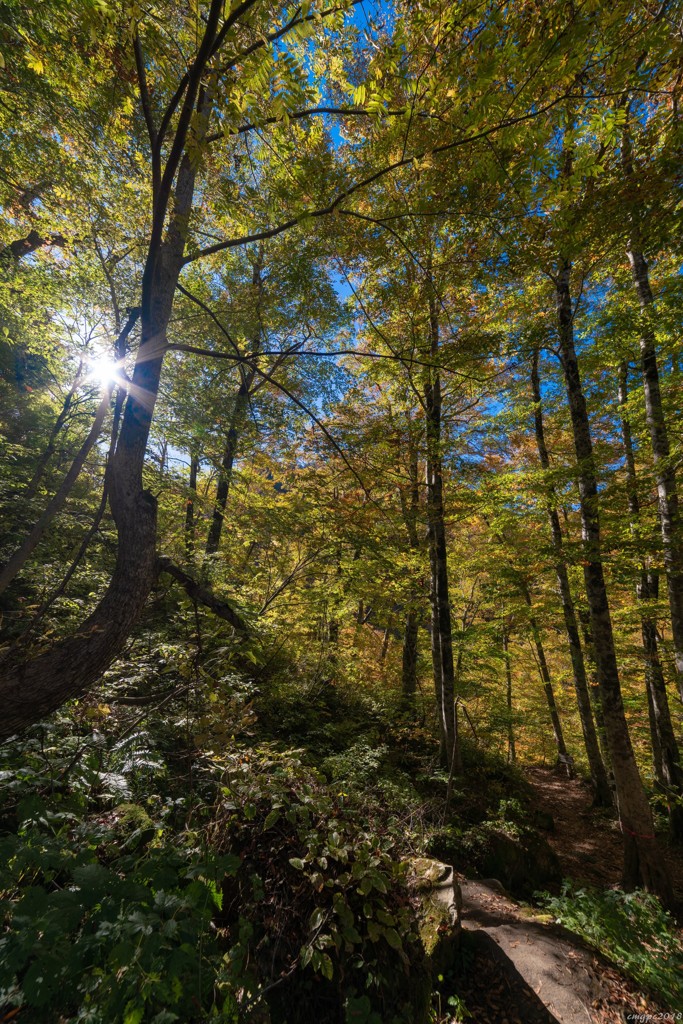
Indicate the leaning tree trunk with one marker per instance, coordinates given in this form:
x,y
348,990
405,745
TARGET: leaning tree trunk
x,y
32,690
669,510
442,635
643,864
665,750
34,482
599,779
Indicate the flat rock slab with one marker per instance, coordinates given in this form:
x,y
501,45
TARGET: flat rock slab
x,y
556,968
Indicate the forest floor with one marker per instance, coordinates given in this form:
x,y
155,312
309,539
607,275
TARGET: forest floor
x,y
520,968
587,839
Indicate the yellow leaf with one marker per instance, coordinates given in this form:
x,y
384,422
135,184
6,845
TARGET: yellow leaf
x,y
35,63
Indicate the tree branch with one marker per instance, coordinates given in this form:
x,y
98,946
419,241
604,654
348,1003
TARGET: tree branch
x,y
202,594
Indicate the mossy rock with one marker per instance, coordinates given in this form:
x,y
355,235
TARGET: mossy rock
x,y
439,911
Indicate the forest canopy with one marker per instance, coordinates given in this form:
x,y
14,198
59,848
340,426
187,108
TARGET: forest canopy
x,y
340,405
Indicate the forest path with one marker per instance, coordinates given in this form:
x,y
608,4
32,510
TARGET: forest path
x,y
587,839
519,968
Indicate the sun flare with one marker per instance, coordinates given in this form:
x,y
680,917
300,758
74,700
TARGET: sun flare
x,y
104,370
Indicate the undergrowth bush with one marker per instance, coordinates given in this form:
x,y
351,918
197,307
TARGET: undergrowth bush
x,y
320,892
631,929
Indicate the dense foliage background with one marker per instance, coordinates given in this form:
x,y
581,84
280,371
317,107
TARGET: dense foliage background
x,y
340,378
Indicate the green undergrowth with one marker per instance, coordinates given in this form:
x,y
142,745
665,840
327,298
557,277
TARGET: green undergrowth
x,y
630,929
176,868
247,845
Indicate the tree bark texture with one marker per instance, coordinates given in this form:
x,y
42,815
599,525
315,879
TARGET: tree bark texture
x,y
442,635
665,474
666,755
599,779
643,864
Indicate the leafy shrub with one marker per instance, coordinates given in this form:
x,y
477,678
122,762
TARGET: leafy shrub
x,y
318,892
128,941
631,929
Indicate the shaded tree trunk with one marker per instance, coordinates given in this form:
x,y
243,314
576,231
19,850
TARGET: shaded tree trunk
x,y
544,673
410,508
599,780
666,755
190,535
665,474
512,755
643,864
409,661
227,463
386,638
442,636
237,419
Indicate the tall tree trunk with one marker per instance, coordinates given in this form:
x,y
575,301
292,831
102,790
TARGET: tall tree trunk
x,y
600,782
410,508
227,463
32,690
512,755
666,755
190,534
643,864
442,636
544,673
594,689
238,417
667,493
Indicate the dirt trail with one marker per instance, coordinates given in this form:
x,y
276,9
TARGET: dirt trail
x,y
520,968
587,839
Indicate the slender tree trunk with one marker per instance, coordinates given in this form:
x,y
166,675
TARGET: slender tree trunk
x,y
386,638
599,780
594,689
409,664
669,510
643,864
544,673
512,756
34,482
19,558
238,417
228,461
442,636
666,755
410,507
190,534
